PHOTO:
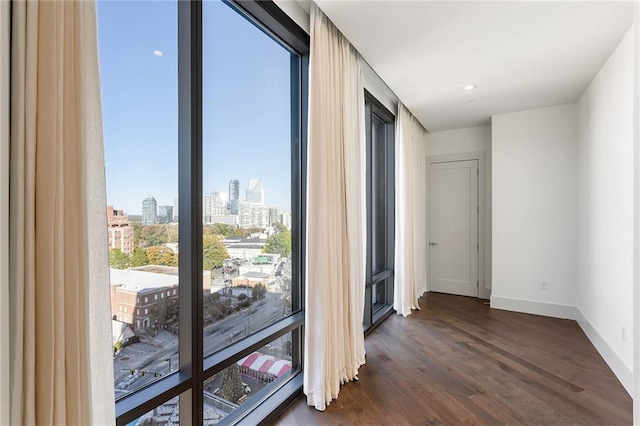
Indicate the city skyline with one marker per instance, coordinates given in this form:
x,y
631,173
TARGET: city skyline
x,y
138,60
224,196
169,201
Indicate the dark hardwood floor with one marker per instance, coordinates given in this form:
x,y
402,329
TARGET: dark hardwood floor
x,y
458,361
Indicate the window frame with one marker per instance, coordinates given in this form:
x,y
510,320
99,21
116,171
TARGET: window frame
x,y
194,368
372,318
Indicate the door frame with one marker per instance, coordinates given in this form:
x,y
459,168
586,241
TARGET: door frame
x,y
484,292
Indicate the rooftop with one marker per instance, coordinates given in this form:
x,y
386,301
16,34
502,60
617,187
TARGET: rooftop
x,y
158,269
242,240
254,275
136,280
245,246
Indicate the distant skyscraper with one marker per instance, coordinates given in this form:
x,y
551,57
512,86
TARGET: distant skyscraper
x,y
234,196
274,215
165,214
213,205
255,193
252,215
175,209
149,211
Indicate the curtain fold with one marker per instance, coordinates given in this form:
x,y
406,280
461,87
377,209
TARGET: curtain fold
x,y
411,236
336,246
61,367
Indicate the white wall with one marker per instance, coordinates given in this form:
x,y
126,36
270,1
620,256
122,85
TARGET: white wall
x,y
4,212
534,210
299,12
605,210
636,248
470,139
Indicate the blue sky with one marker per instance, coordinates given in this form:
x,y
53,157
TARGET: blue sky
x,y
246,103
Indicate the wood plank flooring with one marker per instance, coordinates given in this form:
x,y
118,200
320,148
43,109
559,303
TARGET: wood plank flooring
x,y
458,361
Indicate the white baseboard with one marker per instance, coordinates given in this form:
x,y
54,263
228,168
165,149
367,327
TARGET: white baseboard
x,y
610,356
533,307
613,360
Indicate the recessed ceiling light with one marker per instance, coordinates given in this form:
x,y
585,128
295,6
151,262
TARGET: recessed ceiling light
x,y
469,87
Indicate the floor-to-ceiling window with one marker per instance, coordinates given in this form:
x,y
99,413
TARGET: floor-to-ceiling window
x,y
379,124
205,125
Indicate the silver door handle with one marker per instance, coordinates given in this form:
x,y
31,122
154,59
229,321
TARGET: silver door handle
x,y
431,243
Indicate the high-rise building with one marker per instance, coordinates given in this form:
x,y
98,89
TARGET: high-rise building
x,y
165,214
213,205
274,215
252,215
175,209
234,196
120,230
255,193
149,211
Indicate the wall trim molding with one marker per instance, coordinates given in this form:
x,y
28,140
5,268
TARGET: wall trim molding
x,y
619,368
534,307
610,356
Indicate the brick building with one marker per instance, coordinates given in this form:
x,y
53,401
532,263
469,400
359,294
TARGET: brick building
x,y
120,230
251,279
143,299
147,296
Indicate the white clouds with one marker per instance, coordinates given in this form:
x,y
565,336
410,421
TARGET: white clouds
x,y
158,53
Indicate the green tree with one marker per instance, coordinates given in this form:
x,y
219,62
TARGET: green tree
x,y
139,257
162,255
258,292
280,227
165,312
137,235
150,422
219,229
159,314
279,243
118,259
171,232
214,252
231,387
150,235
219,308
214,297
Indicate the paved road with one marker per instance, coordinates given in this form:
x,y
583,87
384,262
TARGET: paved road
x,y
216,336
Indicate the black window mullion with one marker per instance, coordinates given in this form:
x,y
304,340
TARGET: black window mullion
x,y
369,187
190,206
188,382
297,355
379,280
391,211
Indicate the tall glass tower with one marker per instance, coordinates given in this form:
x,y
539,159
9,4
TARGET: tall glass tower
x,y
149,211
255,193
234,196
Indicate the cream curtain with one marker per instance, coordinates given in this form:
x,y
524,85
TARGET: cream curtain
x,y
334,341
61,367
411,213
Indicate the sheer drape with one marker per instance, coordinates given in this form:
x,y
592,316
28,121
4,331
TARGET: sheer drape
x,y
334,341
61,367
411,213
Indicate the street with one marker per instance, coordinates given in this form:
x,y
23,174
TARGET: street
x,y
163,359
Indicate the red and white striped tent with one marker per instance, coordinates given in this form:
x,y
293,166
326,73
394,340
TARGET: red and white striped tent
x,y
263,367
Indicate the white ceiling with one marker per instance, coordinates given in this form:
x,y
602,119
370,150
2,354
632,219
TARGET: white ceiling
x,y
521,55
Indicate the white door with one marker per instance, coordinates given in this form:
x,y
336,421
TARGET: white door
x,y
453,227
